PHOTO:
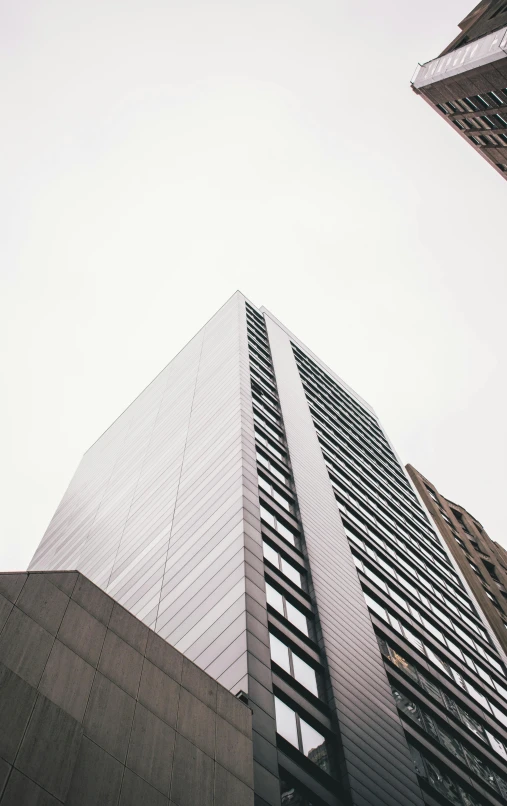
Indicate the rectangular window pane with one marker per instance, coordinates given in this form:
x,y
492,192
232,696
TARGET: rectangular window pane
x,y
279,652
399,599
297,618
413,639
286,722
267,516
378,582
285,532
376,607
281,499
270,554
274,598
264,484
314,745
304,674
291,572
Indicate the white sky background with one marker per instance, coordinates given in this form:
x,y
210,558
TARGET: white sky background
x,y
156,156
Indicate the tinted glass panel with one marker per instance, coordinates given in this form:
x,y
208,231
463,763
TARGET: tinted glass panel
x,y
314,745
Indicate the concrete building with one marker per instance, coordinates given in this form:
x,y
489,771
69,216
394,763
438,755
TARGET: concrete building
x,y
467,83
482,561
250,510
97,710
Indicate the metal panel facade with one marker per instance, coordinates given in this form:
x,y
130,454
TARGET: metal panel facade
x,y
155,512
376,762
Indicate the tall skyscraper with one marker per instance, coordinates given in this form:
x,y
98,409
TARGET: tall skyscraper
x,y
467,83
482,561
249,508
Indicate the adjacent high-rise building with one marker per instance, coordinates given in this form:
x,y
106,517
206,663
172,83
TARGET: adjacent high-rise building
x,y
467,83
249,508
482,561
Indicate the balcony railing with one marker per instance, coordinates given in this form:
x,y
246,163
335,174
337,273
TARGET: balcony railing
x,y
489,48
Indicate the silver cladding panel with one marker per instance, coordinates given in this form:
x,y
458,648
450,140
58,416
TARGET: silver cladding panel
x,y
376,762
155,514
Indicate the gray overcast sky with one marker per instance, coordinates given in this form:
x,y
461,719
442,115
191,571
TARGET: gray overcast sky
x,y
155,156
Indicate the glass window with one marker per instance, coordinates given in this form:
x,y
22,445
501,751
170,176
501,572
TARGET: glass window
x,y
314,745
376,607
497,745
270,554
406,584
264,484
274,598
477,695
297,618
292,794
433,630
485,676
286,722
500,715
268,517
454,648
398,599
379,582
279,653
291,613
293,664
304,674
291,572
285,532
359,563
281,499
413,639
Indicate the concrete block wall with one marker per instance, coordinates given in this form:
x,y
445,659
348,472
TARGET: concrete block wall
x,y
96,708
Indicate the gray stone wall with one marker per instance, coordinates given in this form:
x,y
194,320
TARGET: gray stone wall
x,y
96,708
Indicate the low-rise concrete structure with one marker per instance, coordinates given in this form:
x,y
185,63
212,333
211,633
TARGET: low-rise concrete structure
x,y
97,709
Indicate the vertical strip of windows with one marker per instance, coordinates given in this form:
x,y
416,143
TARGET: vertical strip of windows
x,y
302,714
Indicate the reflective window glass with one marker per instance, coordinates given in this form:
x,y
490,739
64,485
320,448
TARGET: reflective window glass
x,y
286,533
413,639
270,554
292,794
264,484
433,630
281,499
376,607
297,618
304,674
314,745
268,517
274,598
379,582
286,722
399,599
500,715
291,572
279,652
